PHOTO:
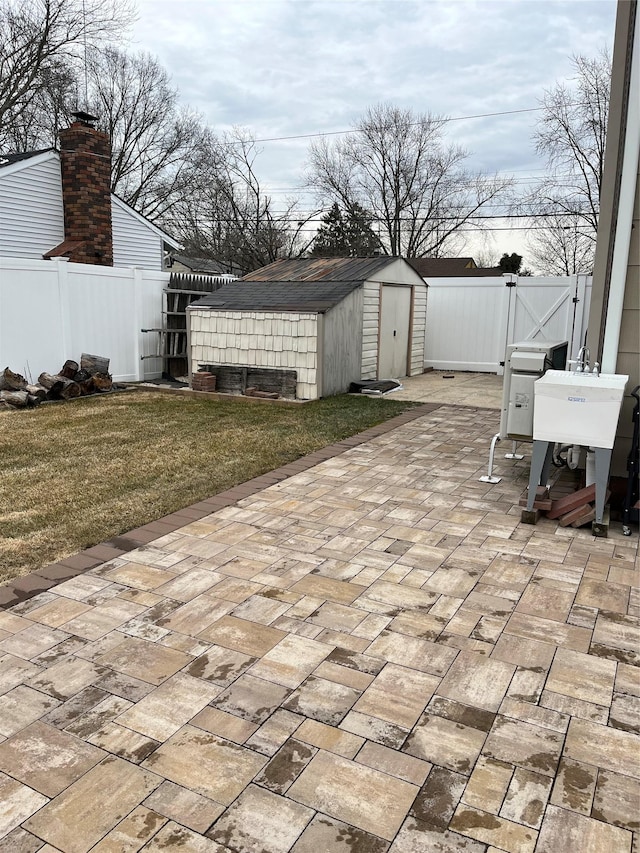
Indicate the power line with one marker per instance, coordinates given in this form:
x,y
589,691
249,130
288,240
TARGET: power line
x,y
357,130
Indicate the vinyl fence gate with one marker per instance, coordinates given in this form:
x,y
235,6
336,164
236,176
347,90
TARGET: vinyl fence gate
x,y
471,321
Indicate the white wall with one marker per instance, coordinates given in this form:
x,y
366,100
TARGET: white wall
x,y
134,243
51,311
275,339
470,321
31,215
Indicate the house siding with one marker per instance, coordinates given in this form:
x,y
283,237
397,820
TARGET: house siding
x,y
31,212
629,346
134,245
32,217
621,130
281,340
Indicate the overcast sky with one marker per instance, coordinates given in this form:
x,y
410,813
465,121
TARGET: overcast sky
x,y
293,67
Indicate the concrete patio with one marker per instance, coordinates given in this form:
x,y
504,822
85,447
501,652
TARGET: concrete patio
x,y
371,655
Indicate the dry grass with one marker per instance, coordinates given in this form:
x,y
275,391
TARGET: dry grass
x,y
77,474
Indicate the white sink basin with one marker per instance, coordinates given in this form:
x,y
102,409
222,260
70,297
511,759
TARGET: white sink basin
x,y
577,408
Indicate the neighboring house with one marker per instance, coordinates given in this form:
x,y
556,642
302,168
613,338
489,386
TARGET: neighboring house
x,y
58,204
614,321
332,320
450,268
198,266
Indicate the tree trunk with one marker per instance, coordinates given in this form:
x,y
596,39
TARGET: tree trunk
x,y
102,381
16,399
37,391
10,381
94,363
69,369
59,387
85,381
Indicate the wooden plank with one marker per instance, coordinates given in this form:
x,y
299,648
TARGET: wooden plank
x,y
585,519
572,501
543,504
575,516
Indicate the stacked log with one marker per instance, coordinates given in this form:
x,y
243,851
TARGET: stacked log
x,y
73,380
14,391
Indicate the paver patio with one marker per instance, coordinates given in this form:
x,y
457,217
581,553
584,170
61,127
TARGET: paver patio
x,y
371,655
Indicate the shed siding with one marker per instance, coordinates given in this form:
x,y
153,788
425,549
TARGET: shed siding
x,y
31,214
371,319
134,245
418,330
258,339
342,345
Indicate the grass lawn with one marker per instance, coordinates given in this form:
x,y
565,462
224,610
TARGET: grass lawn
x,y
75,474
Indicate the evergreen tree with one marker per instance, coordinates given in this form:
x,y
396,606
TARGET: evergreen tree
x,y
345,235
510,263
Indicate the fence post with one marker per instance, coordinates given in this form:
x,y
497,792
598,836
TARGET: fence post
x,y
507,318
63,306
579,325
138,367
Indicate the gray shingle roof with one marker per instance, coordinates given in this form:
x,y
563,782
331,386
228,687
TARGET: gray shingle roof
x,y
8,159
314,297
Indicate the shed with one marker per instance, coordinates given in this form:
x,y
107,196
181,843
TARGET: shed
x,y
331,320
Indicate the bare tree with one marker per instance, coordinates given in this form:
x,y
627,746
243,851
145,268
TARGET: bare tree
x,y
154,140
231,219
396,165
35,35
572,135
563,247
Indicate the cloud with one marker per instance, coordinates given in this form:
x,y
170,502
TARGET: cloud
x,y
287,67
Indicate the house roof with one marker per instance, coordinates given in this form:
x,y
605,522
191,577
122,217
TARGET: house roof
x,y
314,296
450,267
64,248
201,265
10,159
321,269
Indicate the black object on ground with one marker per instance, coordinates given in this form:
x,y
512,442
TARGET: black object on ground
x,y
382,385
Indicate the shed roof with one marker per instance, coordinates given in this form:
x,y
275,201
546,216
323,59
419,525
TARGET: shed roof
x,y
320,269
314,297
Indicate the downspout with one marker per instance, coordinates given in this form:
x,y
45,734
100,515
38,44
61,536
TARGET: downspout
x,y
612,312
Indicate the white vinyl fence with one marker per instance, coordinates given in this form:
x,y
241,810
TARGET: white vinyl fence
x,y
51,311
471,320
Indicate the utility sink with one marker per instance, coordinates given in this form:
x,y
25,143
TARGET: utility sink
x,y
577,408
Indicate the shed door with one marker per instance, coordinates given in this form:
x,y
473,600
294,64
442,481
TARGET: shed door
x,y
395,311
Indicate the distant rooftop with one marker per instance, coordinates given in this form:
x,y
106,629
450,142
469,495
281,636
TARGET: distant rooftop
x,y
450,267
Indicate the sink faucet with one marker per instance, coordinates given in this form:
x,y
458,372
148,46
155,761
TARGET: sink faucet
x,y
583,359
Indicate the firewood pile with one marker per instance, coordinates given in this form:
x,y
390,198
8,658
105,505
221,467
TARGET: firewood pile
x,y
575,509
91,376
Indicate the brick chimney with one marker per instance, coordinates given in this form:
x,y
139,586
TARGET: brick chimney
x,y
85,159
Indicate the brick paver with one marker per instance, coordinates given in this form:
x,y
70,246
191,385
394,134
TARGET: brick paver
x,y
370,653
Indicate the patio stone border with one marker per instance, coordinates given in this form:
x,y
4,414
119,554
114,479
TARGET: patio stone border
x,y
43,579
